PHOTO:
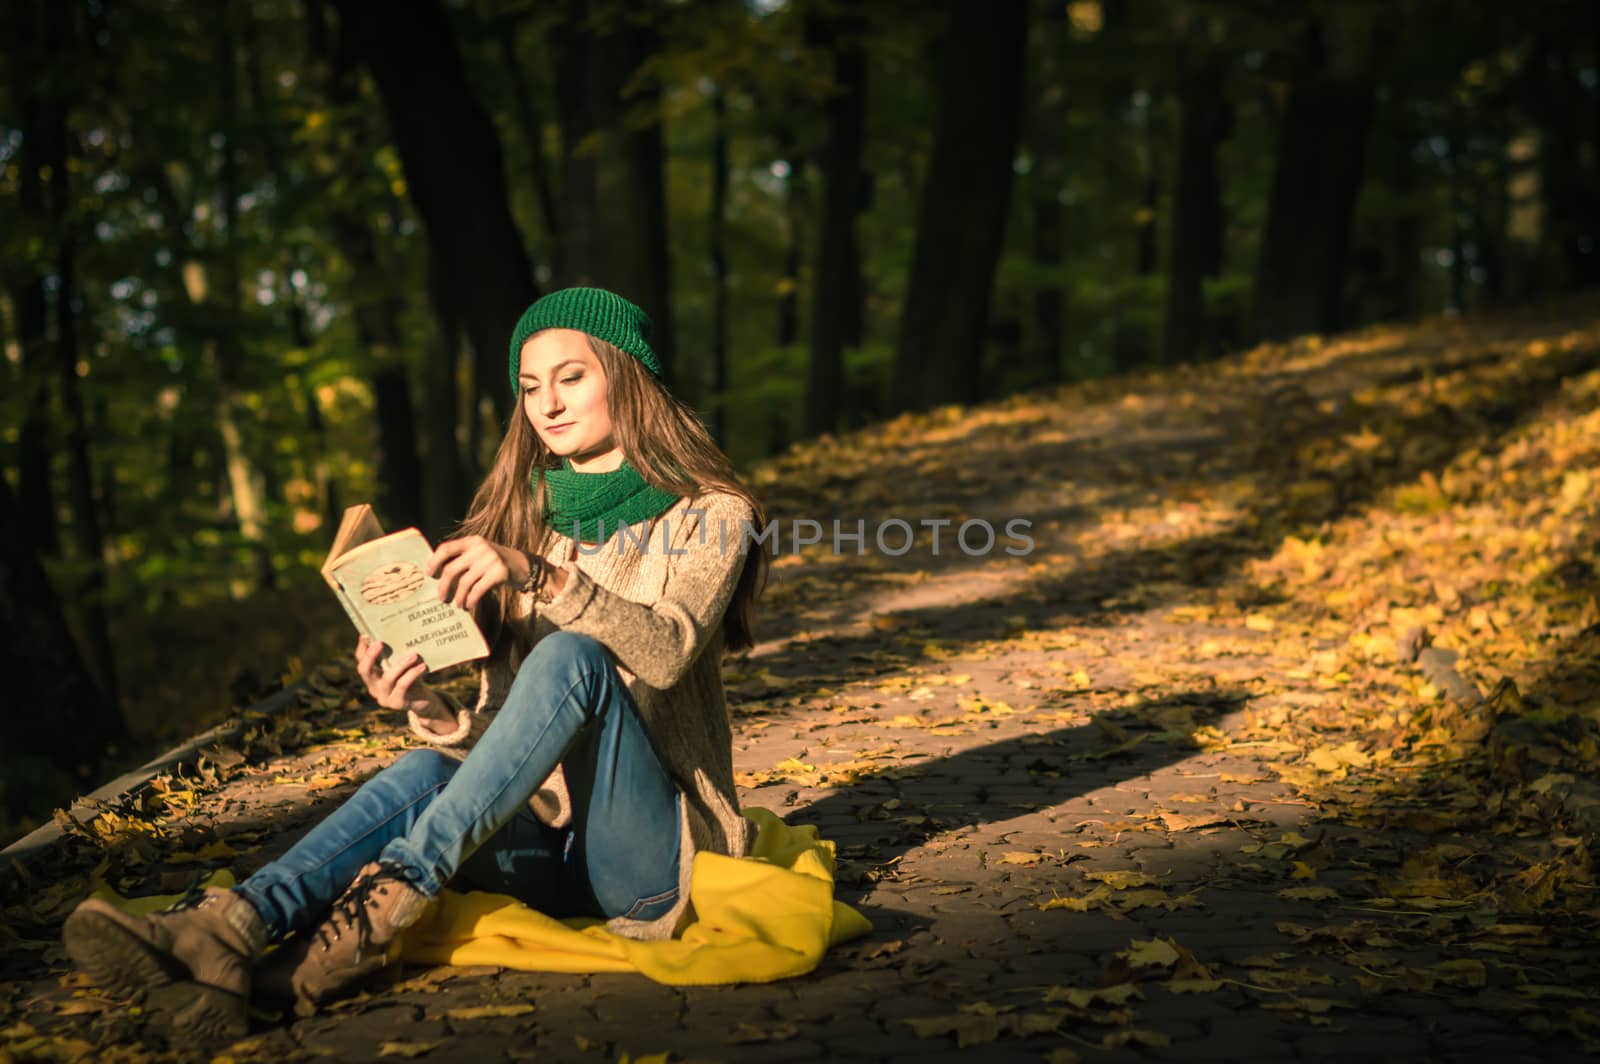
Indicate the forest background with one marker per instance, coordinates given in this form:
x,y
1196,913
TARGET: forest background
x,y
259,261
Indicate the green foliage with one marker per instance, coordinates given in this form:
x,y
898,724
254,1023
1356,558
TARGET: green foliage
x,y
1466,150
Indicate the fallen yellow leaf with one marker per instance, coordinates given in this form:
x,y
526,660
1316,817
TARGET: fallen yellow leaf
x,y
483,1012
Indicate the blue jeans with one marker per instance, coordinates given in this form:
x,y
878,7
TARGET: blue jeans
x,y
433,818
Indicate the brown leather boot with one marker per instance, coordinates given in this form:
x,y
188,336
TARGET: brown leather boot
x,y
359,938
211,941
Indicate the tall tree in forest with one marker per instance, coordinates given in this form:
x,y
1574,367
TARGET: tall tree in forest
x,y
1394,290
1195,248
47,48
1322,145
962,215
1047,144
227,351
63,716
505,33
455,175
1567,115
796,222
25,278
1117,72
717,243
340,160
439,384
614,207
836,302
1130,154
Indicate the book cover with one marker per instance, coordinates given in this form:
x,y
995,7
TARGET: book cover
x,y
381,581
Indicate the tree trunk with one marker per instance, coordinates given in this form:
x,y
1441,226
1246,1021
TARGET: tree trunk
x,y
322,478
1145,257
716,241
1489,225
100,428
795,221
400,489
1401,295
614,173
455,175
400,482
837,278
532,123
1592,182
962,216
1322,142
1570,199
445,490
36,496
51,32
1045,181
248,506
1196,248
91,592
1455,198
68,719
1127,163
582,222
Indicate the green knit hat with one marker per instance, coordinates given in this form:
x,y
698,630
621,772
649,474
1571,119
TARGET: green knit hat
x,y
589,310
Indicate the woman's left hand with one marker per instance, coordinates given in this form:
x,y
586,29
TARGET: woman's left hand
x,y
470,567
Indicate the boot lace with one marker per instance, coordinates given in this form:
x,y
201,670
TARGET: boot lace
x,y
352,912
195,897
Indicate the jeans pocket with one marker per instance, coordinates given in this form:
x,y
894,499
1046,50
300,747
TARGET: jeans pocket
x,y
654,906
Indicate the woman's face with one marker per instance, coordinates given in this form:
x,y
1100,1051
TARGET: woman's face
x,y
564,398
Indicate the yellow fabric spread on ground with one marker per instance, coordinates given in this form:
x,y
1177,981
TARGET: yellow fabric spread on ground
x,y
766,916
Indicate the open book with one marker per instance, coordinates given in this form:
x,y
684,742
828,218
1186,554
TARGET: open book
x,y
382,582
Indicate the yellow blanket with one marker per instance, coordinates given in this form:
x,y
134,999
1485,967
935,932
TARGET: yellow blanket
x,y
766,916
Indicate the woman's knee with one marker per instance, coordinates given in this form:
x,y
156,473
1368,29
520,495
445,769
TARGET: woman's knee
x,y
563,649
563,664
423,767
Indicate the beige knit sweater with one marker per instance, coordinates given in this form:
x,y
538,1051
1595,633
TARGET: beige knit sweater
x,y
654,595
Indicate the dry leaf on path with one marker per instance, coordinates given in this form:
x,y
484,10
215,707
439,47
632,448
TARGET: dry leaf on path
x,y
484,1012
407,1049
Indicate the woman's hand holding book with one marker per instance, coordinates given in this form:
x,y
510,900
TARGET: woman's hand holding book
x,y
401,686
470,567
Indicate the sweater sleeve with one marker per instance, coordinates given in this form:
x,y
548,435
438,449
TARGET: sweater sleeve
x,y
468,725
658,642
460,726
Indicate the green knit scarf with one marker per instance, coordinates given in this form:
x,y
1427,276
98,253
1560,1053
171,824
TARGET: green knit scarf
x,y
600,503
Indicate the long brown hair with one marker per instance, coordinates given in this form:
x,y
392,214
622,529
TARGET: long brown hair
x,y
661,436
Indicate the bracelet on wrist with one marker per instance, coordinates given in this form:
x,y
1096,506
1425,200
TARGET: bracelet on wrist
x,y
538,580
535,575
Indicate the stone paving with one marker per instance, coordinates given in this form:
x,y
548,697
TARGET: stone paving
x,y
951,840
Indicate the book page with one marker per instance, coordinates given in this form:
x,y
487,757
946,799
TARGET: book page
x,y
359,525
385,582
